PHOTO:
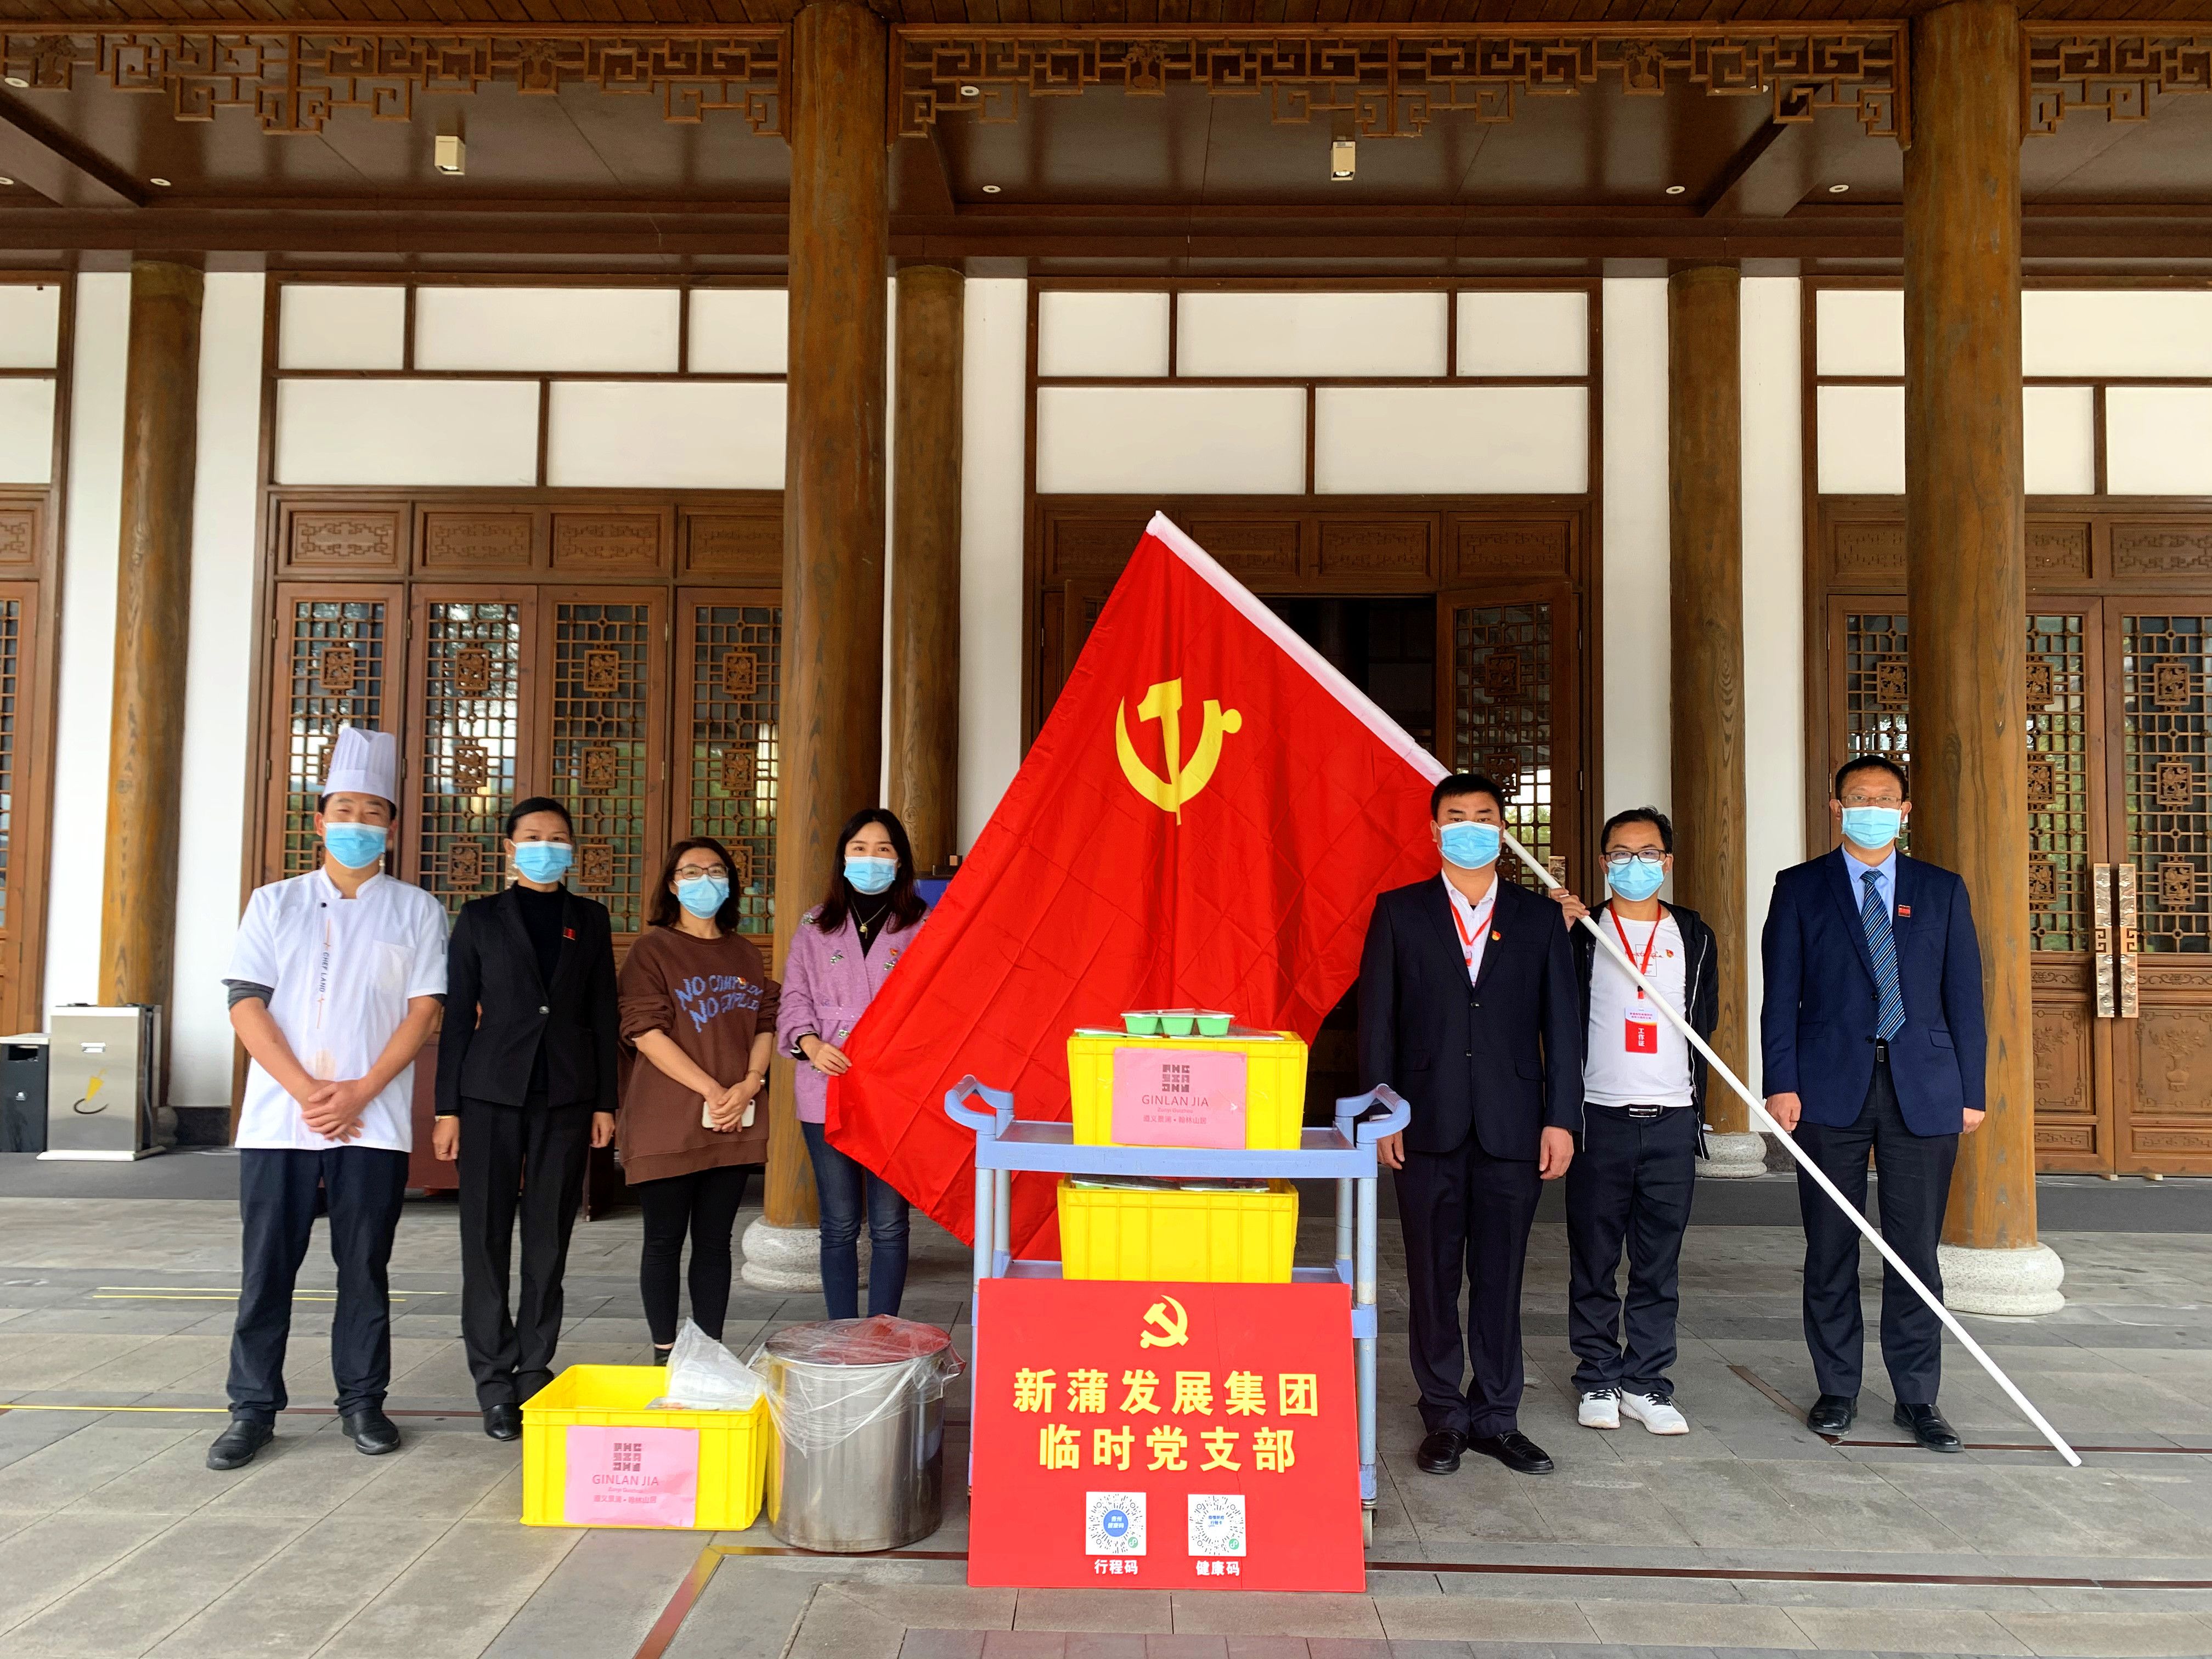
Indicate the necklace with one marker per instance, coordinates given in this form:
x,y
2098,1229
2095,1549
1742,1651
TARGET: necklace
x,y
867,925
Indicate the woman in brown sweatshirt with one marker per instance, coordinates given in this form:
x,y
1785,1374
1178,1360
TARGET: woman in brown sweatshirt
x,y
698,1022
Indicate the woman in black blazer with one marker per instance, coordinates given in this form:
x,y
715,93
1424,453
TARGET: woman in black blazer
x,y
526,1088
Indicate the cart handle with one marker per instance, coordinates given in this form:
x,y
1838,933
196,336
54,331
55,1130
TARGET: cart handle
x,y
1367,1134
993,1123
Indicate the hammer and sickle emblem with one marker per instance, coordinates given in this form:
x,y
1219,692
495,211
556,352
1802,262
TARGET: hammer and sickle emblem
x,y
1164,704
1174,1327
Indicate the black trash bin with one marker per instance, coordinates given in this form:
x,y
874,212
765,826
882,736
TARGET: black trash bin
x,y
23,1093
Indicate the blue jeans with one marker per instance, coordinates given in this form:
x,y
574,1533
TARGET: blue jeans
x,y
839,1182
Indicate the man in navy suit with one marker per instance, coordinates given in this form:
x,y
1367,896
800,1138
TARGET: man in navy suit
x,y
1872,1037
1469,1008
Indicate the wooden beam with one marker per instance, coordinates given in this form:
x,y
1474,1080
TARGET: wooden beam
x,y
833,499
1965,558
50,159
925,613
1704,498
153,592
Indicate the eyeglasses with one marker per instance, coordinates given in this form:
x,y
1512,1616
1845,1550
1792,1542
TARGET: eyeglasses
x,y
1648,860
693,872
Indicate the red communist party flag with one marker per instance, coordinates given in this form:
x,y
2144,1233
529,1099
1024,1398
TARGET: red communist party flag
x,y
1204,821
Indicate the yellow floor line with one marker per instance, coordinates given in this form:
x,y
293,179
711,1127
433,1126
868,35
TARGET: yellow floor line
x,y
219,1411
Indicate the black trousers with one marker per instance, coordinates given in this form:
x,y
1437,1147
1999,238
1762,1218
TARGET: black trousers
x,y
363,1187
1631,1183
704,1204
531,1161
1916,1182
1466,1217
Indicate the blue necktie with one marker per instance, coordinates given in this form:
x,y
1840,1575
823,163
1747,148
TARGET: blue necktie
x,y
1874,916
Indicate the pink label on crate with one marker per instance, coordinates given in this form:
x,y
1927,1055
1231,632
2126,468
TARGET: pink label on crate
x,y
632,1478
1178,1097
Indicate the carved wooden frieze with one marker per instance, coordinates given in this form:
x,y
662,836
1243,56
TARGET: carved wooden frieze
x,y
1481,548
1375,547
595,866
344,541
603,676
2042,883
1249,548
596,769
2174,1052
1502,676
740,768
734,545
2062,1079
464,866
477,541
337,670
2042,782
472,766
471,671
2175,785
2158,549
2176,883
2039,689
1870,550
740,674
19,538
2071,68
1892,683
1503,767
2169,686
611,541
1093,547
2057,549
741,867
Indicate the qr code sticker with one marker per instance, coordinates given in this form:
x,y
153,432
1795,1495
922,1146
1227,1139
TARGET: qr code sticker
x,y
1217,1523
1113,1523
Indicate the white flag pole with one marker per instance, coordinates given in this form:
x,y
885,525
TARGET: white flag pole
x,y
1804,1161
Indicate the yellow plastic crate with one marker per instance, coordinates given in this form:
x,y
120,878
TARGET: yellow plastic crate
x,y
732,1446
1246,1238
1275,1084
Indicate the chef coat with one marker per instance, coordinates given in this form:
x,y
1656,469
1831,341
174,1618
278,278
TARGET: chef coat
x,y
342,971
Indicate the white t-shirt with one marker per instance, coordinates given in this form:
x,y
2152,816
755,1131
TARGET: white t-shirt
x,y
1615,1073
342,971
1474,923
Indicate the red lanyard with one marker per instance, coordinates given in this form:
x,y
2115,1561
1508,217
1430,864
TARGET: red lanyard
x,y
1629,950
1466,944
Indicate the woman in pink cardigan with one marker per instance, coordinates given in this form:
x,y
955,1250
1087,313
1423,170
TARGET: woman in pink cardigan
x,y
839,956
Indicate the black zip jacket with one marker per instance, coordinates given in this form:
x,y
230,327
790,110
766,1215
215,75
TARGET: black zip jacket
x,y
1701,983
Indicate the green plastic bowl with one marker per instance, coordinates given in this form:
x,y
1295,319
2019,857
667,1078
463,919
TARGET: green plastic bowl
x,y
1214,1025
1141,1024
1176,1024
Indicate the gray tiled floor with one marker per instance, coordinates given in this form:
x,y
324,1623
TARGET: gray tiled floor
x,y
116,1540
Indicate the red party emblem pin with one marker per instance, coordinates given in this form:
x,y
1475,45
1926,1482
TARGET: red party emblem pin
x,y
567,933
1905,909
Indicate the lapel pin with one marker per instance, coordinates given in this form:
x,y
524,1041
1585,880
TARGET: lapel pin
x,y
567,933
1495,936
1905,909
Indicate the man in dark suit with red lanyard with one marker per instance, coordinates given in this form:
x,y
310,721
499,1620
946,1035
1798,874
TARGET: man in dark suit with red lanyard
x,y
1872,1038
1469,1008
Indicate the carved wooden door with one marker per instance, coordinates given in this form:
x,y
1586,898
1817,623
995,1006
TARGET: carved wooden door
x,y
336,661
19,624
1508,684
473,730
729,646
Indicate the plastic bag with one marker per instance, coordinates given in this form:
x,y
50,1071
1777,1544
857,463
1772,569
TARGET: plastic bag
x,y
827,1381
703,1375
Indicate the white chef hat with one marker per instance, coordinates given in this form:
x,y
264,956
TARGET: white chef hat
x,y
363,762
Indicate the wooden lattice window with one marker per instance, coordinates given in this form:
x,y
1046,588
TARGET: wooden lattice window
x,y
601,733
2058,749
734,672
1875,685
1501,690
11,646
470,728
337,673
2166,764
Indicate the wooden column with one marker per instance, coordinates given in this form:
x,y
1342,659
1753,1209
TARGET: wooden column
x,y
1704,501
833,488
925,614
1966,568
153,593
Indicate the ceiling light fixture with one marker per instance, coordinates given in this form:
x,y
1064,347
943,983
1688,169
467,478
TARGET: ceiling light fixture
x,y
449,155
14,80
990,190
971,92
1343,159
1837,190
6,181
163,183
1676,189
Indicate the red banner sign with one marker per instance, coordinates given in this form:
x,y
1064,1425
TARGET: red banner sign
x,y
1165,1437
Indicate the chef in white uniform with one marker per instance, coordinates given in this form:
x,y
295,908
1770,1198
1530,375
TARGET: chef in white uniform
x,y
334,984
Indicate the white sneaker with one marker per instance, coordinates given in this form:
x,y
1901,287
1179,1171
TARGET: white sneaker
x,y
1600,1409
1655,1412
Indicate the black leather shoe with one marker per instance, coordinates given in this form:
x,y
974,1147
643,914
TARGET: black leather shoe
x,y
1833,1414
1928,1427
234,1447
1439,1452
1513,1448
372,1432
503,1422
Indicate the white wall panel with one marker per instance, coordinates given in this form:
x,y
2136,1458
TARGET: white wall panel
x,y
1637,743
1298,334
2059,432
2116,332
30,325
1859,330
1773,603
670,434
1121,334
1523,333
740,331
1171,441
331,326
2158,440
994,390
76,874
579,330
26,430
1861,440
1389,441
218,726
407,432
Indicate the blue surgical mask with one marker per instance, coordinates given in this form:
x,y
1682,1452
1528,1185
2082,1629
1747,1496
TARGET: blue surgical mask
x,y
1872,827
703,896
356,846
871,876
1470,846
543,860
1635,880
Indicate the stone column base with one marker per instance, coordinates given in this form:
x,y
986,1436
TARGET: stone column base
x,y
1733,1156
2005,1283
782,1258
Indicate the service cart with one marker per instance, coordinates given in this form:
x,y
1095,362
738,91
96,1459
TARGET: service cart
x,y
1344,1153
